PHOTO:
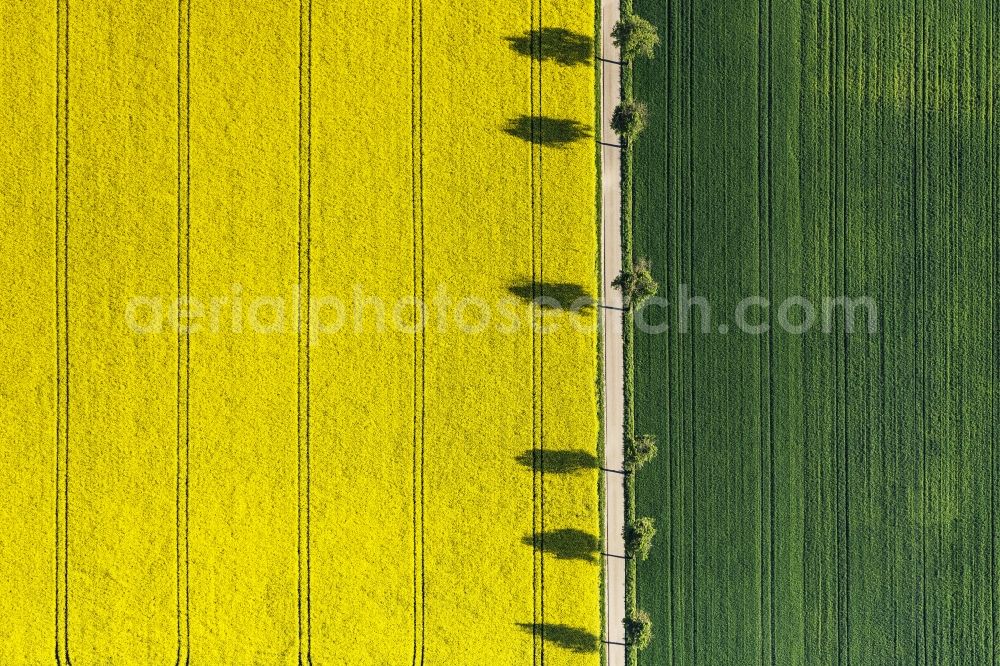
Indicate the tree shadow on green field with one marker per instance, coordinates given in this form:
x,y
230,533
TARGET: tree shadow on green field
x,y
557,462
573,639
565,544
554,295
544,131
559,45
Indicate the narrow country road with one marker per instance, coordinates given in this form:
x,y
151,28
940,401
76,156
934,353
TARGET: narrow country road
x,y
614,388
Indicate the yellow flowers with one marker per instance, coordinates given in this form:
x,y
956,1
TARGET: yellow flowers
x,y
27,334
362,378
478,242
255,494
569,251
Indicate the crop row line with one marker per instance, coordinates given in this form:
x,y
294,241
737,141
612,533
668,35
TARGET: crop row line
x,y
419,338
766,349
62,333
537,341
183,338
303,479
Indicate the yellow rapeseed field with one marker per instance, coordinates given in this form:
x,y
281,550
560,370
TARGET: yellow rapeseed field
x,y
119,476
478,243
27,333
362,381
225,438
242,485
567,174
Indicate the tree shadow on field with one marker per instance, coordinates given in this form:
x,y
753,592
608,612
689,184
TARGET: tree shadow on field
x,y
573,639
565,544
559,45
544,131
554,295
557,462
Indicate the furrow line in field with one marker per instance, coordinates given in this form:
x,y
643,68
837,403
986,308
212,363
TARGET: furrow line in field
x,y
831,17
953,489
183,338
889,128
419,337
934,196
932,199
857,446
693,656
685,356
761,260
839,208
995,321
958,266
671,208
830,282
888,201
769,209
538,526
673,205
917,180
304,324
62,332
920,360
766,343
995,188
540,393
844,74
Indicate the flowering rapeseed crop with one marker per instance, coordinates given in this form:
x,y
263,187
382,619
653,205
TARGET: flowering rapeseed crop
x,y
256,485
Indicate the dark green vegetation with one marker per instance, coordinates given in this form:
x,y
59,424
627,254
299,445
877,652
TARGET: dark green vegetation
x,y
638,630
629,120
821,498
635,36
639,538
638,452
636,284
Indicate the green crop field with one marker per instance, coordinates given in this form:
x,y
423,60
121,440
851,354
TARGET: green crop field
x,y
828,497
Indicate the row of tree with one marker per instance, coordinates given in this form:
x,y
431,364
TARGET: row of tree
x,y
635,37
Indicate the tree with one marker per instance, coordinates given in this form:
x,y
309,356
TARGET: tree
x,y
636,285
635,36
639,537
629,119
639,451
638,629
